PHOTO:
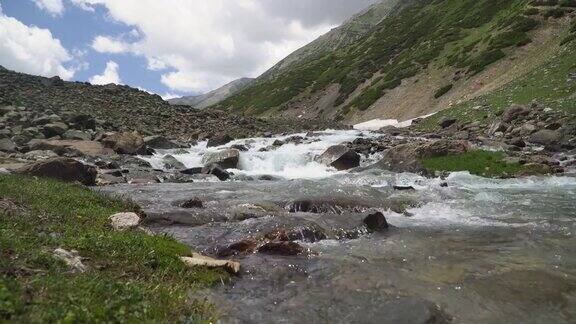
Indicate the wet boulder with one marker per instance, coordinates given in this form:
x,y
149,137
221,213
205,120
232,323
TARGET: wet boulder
x,y
340,157
376,222
219,140
227,159
161,143
217,171
130,143
171,163
63,169
192,203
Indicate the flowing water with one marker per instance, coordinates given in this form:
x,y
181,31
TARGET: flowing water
x,y
475,251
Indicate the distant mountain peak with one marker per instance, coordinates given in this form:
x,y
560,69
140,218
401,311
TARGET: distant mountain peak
x,y
213,97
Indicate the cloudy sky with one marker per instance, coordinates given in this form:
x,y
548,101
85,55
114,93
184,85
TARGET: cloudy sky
x,y
169,47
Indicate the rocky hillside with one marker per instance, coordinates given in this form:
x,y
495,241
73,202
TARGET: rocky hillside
x,y
427,56
213,97
121,108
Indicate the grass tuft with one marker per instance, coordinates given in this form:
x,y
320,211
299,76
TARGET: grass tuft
x,y
479,162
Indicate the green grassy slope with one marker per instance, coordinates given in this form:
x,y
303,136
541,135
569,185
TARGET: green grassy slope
x,y
464,35
401,46
131,277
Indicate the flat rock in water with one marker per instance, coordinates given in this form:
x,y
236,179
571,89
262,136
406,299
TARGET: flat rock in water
x,y
198,260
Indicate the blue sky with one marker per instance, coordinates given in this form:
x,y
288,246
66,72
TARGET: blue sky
x,y
168,47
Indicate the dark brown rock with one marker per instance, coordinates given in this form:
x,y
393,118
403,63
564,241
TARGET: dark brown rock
x,y
64,169
376,222
130,143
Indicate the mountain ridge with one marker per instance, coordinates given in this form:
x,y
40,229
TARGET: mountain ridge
x,y
439,52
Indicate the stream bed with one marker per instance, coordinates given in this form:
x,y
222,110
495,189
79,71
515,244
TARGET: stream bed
x,y
463,249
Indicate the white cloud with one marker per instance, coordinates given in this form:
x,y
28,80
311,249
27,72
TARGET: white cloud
x,y
110,75
32,50
205,44
54,7
103,44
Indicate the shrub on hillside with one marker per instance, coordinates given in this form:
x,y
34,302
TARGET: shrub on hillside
x,y
442,91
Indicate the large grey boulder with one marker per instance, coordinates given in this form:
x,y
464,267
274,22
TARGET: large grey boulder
x,y
7,145
227,159
63,169
340,157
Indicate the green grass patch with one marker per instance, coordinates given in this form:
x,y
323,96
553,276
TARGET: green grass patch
x,y
131,277
479,162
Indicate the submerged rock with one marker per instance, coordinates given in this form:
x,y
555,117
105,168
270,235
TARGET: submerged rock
x,y
285,248
243,247
340,157
64,169
192,203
